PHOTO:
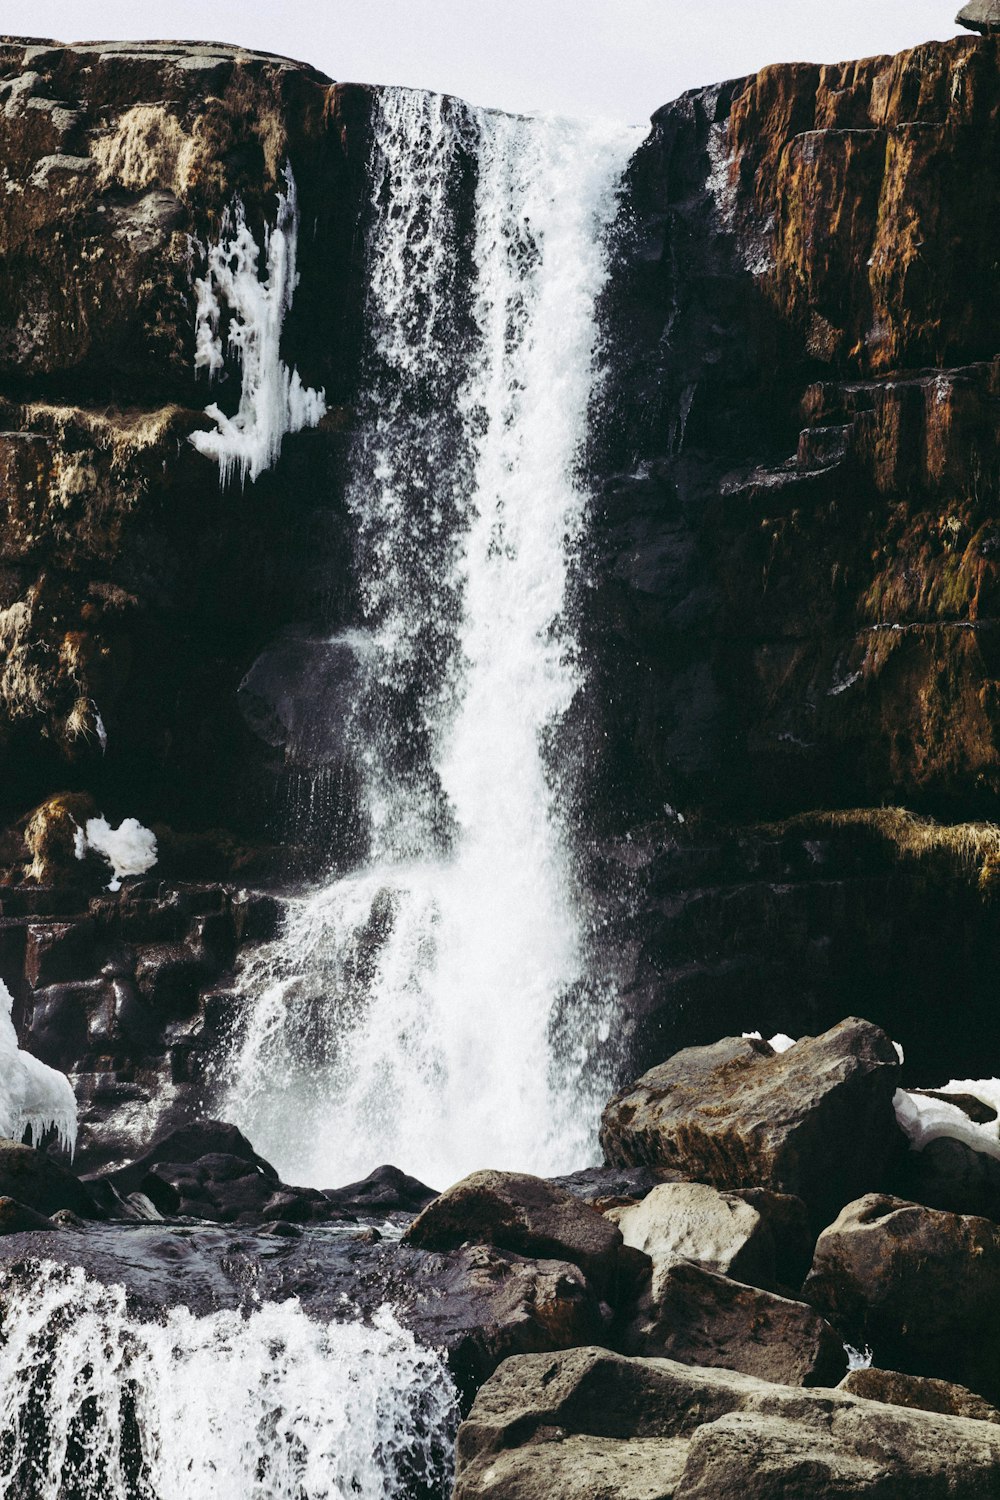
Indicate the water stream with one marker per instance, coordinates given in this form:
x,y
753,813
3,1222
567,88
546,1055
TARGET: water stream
x,y
409,1012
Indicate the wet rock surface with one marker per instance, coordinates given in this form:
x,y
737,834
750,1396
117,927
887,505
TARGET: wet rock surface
x,y
516,1211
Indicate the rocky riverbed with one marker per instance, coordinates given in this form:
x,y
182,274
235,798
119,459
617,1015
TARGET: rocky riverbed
x,y
740,1297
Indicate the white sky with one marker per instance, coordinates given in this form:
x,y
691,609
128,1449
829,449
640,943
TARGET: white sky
x,y
621,58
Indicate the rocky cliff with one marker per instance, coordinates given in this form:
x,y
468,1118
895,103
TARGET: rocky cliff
x,y
793,623
796,549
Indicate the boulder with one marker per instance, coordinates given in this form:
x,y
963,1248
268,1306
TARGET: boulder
x,y
917,1285
690,1221
980,15
16,1219
589,1424
920,1393
384,1191
189,1143
35,1181
528,1215
612,1187
815,1121
697,1317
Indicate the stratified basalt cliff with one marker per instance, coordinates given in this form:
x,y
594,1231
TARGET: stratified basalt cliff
x,y
797,552
791,620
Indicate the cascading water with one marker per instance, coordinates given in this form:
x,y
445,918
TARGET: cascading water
x,y
409,1011
97,1405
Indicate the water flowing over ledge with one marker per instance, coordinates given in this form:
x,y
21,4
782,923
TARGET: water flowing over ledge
x,y
267,1406
410,1011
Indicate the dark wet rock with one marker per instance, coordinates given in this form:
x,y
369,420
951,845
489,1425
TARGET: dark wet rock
x,y
589,1423
952,1175
816,1121
477,1303
16,1219
974,1109
38,1182
916,1285
386,1190
697,1317
608,1187
209,1170
515,1211
920,1393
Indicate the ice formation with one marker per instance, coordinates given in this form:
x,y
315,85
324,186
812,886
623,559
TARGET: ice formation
x,y
923,1120
431,1008
129,849
265,1406
273,400
33,1096
779,1043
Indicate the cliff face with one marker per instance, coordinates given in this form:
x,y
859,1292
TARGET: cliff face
x,y
794,613
134,592
808,383
797,553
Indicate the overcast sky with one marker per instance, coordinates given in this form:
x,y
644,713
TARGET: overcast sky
x,y
621,58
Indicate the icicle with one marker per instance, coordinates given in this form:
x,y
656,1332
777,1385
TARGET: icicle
x,y
273,400
33,1096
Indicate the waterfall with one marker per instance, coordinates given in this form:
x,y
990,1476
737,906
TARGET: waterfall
x,y
269,1405
429,1008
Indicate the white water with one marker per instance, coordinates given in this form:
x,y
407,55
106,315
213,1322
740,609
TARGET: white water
x,y
408,1013
130,849
270,1406
273,400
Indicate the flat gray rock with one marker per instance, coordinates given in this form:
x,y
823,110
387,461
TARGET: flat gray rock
x,y
980,15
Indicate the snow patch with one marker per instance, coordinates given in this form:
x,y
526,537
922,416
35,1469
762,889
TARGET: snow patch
x,y
33,1096
924,1120
779,1043
129,849
273,400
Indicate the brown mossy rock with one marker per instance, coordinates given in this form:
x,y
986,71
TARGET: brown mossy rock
x,y
588,1423
920,1393
515,1211
916,1285
39,1183
50,835
697,1317
816,1121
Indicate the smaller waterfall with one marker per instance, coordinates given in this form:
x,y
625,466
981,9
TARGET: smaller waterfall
x,y
265,1406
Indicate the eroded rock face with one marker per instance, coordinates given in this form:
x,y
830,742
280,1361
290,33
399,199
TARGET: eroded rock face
x,y
917,1285
812,1121
588,1423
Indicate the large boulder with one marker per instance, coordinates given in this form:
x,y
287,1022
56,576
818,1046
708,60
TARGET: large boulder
x,y
35,1180
816,1121
697,1317
526,1214
920,1393
917,1285
691,1221
387,1190
589,1424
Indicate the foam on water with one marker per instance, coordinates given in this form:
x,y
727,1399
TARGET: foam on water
x,y
267,1406
410,1011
